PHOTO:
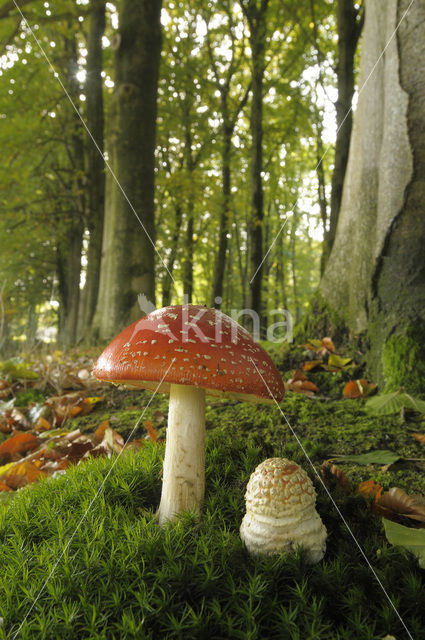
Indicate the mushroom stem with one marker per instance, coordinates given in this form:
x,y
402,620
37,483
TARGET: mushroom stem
x,y
184,462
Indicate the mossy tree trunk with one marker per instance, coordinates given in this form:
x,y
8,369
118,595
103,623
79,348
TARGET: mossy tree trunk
x,y
376,271
128,254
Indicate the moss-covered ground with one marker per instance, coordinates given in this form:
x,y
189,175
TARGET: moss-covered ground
x,y
81,555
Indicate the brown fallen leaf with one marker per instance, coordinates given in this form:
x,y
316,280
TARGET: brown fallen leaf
x,y
328,344
359,388
42,425
99,434
420,437
78,449
397,505
299,383
312,364
330,471
22,473
4,487
18,443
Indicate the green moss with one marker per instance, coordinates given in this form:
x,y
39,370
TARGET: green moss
x,y
321,320
403,361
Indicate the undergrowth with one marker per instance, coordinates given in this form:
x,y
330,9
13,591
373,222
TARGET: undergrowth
x,y
82,557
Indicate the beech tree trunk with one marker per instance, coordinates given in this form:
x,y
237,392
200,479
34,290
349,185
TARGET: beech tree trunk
x,y
95,170
376,271
128,254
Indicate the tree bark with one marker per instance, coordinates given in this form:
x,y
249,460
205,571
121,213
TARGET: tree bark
x,y
128,250
256,16
71,224
349,27
220,263
166,287
95,164
376,271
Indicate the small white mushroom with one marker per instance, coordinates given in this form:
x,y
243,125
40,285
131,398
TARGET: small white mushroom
x,y
281,513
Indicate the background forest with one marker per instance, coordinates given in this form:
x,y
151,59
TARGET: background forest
x,y
230,175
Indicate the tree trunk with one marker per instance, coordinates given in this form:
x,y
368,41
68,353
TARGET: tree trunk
x,y
349,28
257,214
71,223
95,165
166,287
220,263
128,252
188,263
376,271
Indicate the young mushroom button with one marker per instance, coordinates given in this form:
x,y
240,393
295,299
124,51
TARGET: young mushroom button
x,y
188,351
280,511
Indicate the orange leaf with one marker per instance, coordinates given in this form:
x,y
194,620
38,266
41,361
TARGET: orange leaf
x,y
370,489
312,364
18,444
328,344
358,388
151,431
419,436
42,425
99,434
4,487
21,474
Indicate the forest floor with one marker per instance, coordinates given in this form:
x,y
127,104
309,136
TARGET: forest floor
x,y
81,553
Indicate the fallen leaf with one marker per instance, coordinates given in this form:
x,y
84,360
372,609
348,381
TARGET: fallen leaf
x,y
382,456
328,344
18,444
99,434
389,403
114,440
411,539
312,364
299,383
397,505
42,425
21,474
331,471
339,362
358,388
370,489
4,487
419,436
151,431
78,449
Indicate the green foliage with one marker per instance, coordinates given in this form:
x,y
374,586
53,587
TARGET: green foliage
x,y
372,457
388,403
411,539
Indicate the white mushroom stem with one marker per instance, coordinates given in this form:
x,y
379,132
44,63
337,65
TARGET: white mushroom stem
x,y
183,483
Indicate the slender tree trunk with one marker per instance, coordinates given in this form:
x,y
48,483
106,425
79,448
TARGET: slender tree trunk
x,y
128,252
294,267
256,16
349,28
220,263
188,263
166,287
71,225
95,164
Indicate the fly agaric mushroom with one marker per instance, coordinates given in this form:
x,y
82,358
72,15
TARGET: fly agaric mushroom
x,y
280,511
188,351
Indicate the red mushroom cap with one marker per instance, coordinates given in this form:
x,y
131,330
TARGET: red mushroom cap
x,y
206,348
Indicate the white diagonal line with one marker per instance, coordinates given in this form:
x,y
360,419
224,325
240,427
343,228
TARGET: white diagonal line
x,y
334,503
139,419
337,131
108,166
